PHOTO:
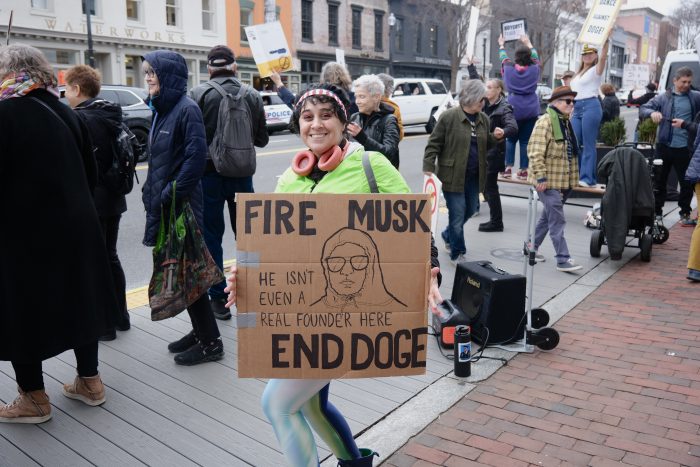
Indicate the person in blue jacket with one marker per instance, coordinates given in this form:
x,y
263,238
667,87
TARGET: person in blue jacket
x,y
178,149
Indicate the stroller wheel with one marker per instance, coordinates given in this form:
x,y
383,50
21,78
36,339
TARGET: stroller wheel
x,y
660,234
539,318
645,243
597,239
545,338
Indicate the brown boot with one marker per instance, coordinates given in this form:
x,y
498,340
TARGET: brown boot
x,y
89,390
28,407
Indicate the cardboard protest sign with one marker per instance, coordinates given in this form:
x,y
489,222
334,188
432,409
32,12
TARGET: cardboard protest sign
x,y
332,286
635,76
340,56
471,31
270,49
601,18
432,186
513,29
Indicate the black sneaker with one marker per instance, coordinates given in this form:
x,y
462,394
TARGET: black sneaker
x,y
218,307
200,353
183,343
108,336
490,227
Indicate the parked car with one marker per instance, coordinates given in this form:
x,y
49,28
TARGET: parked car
x,y
622,94
277,113
419,99
543,92
137,114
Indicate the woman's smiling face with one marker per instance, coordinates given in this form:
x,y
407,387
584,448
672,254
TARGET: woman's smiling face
x,y
319,127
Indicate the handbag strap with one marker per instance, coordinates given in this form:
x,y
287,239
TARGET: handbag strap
x,y
369,173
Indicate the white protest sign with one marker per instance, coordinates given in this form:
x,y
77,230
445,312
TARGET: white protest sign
x,y
635,76
471,32
512,30
270,49
340,56
601,18
433,186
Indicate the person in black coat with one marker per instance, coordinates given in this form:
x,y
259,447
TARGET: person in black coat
x,y
374,125
610,103
178,149
48,174
103,120
640,101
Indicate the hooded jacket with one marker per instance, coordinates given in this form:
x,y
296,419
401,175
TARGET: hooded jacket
x,y
104,120
521,83
177,142
628,192
380,132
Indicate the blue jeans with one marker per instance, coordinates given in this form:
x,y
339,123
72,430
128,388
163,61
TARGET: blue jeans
x,y
524,131
218,190
552,221
586,122
460,207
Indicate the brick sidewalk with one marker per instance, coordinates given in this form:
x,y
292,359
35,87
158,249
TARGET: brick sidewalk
x,y
622,387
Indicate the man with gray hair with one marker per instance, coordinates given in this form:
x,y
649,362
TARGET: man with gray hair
x,y
388,90
456,153
219,189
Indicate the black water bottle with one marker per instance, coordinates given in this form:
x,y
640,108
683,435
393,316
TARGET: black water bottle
x,y
463,352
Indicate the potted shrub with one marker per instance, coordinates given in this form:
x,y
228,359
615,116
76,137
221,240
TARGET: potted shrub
x,y
612,133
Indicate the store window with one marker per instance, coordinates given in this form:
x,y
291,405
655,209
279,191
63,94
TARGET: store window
x,y
208,15
332,23
171,13
419,37
434,39
246,20
378,31
398,35
307,20
356,27
40,4
133,10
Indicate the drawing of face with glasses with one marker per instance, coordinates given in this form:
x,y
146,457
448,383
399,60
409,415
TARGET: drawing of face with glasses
x,y
353,273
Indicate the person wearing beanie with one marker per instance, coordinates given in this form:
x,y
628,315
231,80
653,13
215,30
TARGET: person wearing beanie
x,y
218,189
554,172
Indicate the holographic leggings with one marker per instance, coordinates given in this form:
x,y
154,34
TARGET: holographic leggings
x,y
292,405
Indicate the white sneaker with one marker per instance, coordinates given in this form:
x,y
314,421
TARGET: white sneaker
x,y
584,184
539,258
458,259
569,266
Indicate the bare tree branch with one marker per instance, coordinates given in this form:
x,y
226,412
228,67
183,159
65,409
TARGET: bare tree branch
x,y
687,17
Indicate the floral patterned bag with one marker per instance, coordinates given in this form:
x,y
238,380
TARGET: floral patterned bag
x,y
183,269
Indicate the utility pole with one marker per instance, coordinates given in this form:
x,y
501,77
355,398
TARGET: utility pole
x,y
91,52
483,69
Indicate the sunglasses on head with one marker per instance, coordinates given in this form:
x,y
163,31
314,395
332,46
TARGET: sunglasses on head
x,y
567,101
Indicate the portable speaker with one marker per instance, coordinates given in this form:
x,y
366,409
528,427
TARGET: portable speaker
x,y
491,298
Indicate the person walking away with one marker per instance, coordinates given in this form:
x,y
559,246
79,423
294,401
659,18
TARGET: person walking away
x,y
462,172
610,104
220,190
178,147
386,99
104,122
500,115
374,126
672,141
49,173
331,164
521,77
587,110
554,172
649,94
336,74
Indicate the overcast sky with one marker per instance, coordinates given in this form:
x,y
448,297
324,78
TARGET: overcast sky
x,y
665,7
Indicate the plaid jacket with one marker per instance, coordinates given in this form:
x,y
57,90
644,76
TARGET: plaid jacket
x,y
548,158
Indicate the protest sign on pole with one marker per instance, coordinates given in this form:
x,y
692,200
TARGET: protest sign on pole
x,y
635,76
270,49
332,286
471,32
513,29
601,18
433,187
340,56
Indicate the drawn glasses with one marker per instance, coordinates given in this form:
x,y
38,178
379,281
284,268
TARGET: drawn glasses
x,y
337,263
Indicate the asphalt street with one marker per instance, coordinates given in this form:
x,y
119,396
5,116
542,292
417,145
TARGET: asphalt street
x,y
273,160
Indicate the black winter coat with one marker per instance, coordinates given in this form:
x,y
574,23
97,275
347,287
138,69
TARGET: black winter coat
x,y
628,192
103,120
611,108
208,100
177,142
380,132
501,116
49,218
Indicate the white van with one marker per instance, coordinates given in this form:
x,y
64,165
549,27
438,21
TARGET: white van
x,y
418,99
675,60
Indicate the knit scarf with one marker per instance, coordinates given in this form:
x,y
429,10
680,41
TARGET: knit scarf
x,y
21,84
561,130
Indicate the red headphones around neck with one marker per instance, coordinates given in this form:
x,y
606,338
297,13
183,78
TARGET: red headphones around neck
x,y
304,161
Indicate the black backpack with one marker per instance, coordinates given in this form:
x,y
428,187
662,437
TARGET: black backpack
x,y
119,178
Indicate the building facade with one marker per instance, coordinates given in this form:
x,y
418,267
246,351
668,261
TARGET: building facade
x,y
122,30
646,23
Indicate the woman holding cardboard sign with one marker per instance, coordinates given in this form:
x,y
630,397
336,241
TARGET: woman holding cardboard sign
x,y
330,165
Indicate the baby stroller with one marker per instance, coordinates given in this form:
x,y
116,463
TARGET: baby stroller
x,y
627,207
